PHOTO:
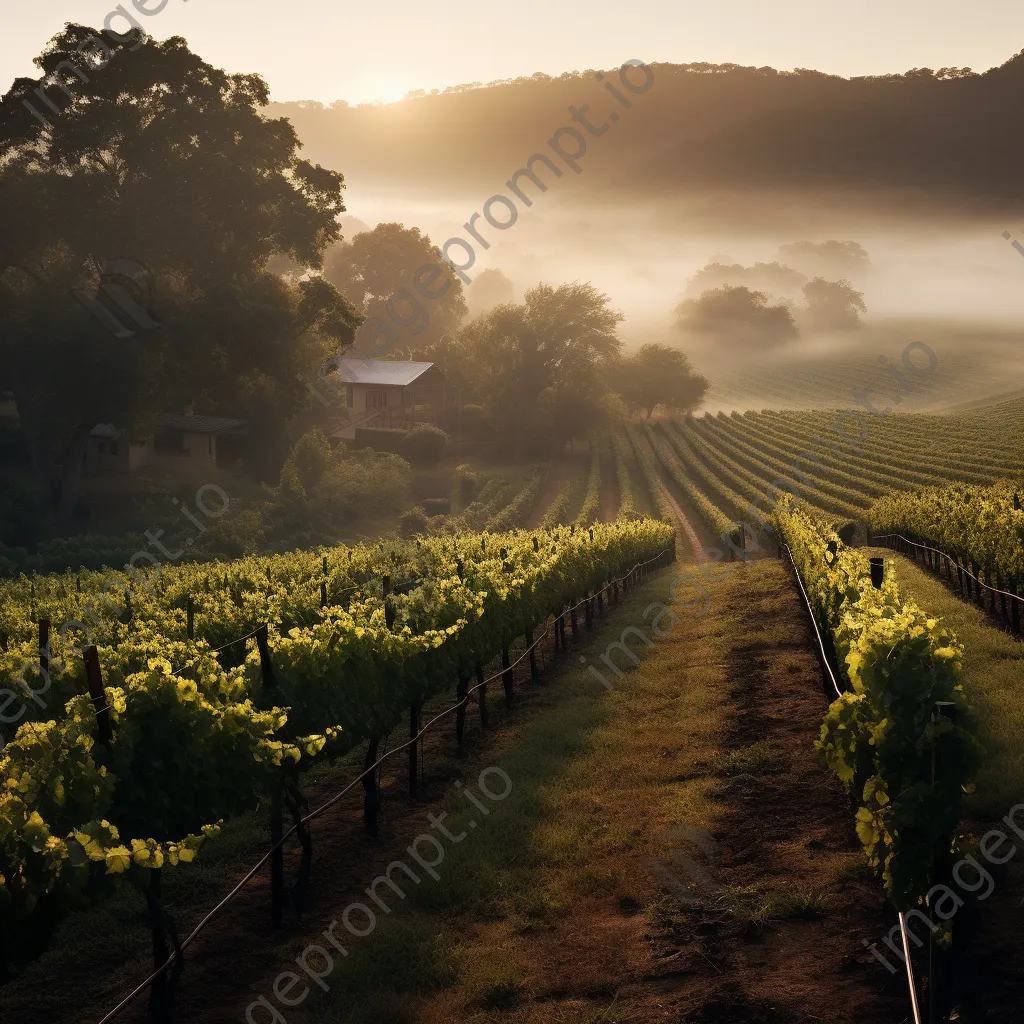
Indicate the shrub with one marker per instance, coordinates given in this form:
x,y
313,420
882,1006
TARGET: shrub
x,y
436,506
424,445
413,521
906,769
383,439
476,421
469,482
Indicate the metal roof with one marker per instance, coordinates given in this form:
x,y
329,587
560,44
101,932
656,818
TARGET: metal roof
x,y
197,424
381,371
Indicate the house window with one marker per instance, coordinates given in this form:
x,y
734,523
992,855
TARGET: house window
x,y
349,396
101,447
113,447
377,398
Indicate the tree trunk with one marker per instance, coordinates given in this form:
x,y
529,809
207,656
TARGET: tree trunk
x,y
59,479
71,474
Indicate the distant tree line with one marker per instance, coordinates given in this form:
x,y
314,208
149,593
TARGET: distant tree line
x,y
771,302
951,131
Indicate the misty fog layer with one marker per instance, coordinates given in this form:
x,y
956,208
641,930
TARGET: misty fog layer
x,y
954,284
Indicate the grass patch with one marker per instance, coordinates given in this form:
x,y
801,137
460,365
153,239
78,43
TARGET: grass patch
x,y
757,909
753,760
555,840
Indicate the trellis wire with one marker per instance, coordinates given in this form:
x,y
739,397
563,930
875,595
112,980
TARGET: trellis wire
x,y
172,959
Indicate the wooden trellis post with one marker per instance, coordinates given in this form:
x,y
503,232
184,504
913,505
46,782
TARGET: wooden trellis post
x,y
462,695
94,676
276,858
481,695
266,665
506,675
534,672
414,731
371,795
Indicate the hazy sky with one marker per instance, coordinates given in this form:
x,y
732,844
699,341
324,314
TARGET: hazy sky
x,y
357,51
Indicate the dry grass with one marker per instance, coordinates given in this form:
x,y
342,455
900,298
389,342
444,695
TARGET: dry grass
x,y
595,790
566,907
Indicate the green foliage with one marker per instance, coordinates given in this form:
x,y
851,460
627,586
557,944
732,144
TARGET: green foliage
x,y
424,445
322,490
623,456
81,551
831,257
981,526
833,305
196,740
468,480
382,439
157,120
436,506
376,270
516,511
558,511
476,421
413,521
881,736
539,367
591,509
736,313
772,278
660,375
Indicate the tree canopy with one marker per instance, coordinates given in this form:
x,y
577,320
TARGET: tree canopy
x,y
738,314
149,153
833,305
539,367
833,257
379,271
660,375
772,278
490,288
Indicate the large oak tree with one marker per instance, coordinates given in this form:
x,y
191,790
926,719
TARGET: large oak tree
x,y
136,149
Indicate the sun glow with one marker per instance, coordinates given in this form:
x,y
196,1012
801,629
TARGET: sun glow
x,y
390,91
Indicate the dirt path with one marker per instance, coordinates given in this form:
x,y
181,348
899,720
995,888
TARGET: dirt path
x,y
706,539
792,902
609,483
552,485
688,543
690,861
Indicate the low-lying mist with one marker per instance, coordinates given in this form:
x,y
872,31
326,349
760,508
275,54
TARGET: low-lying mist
x,y
953,284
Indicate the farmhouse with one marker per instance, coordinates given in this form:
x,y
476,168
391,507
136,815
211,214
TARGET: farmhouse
x,y
390,393
177,441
